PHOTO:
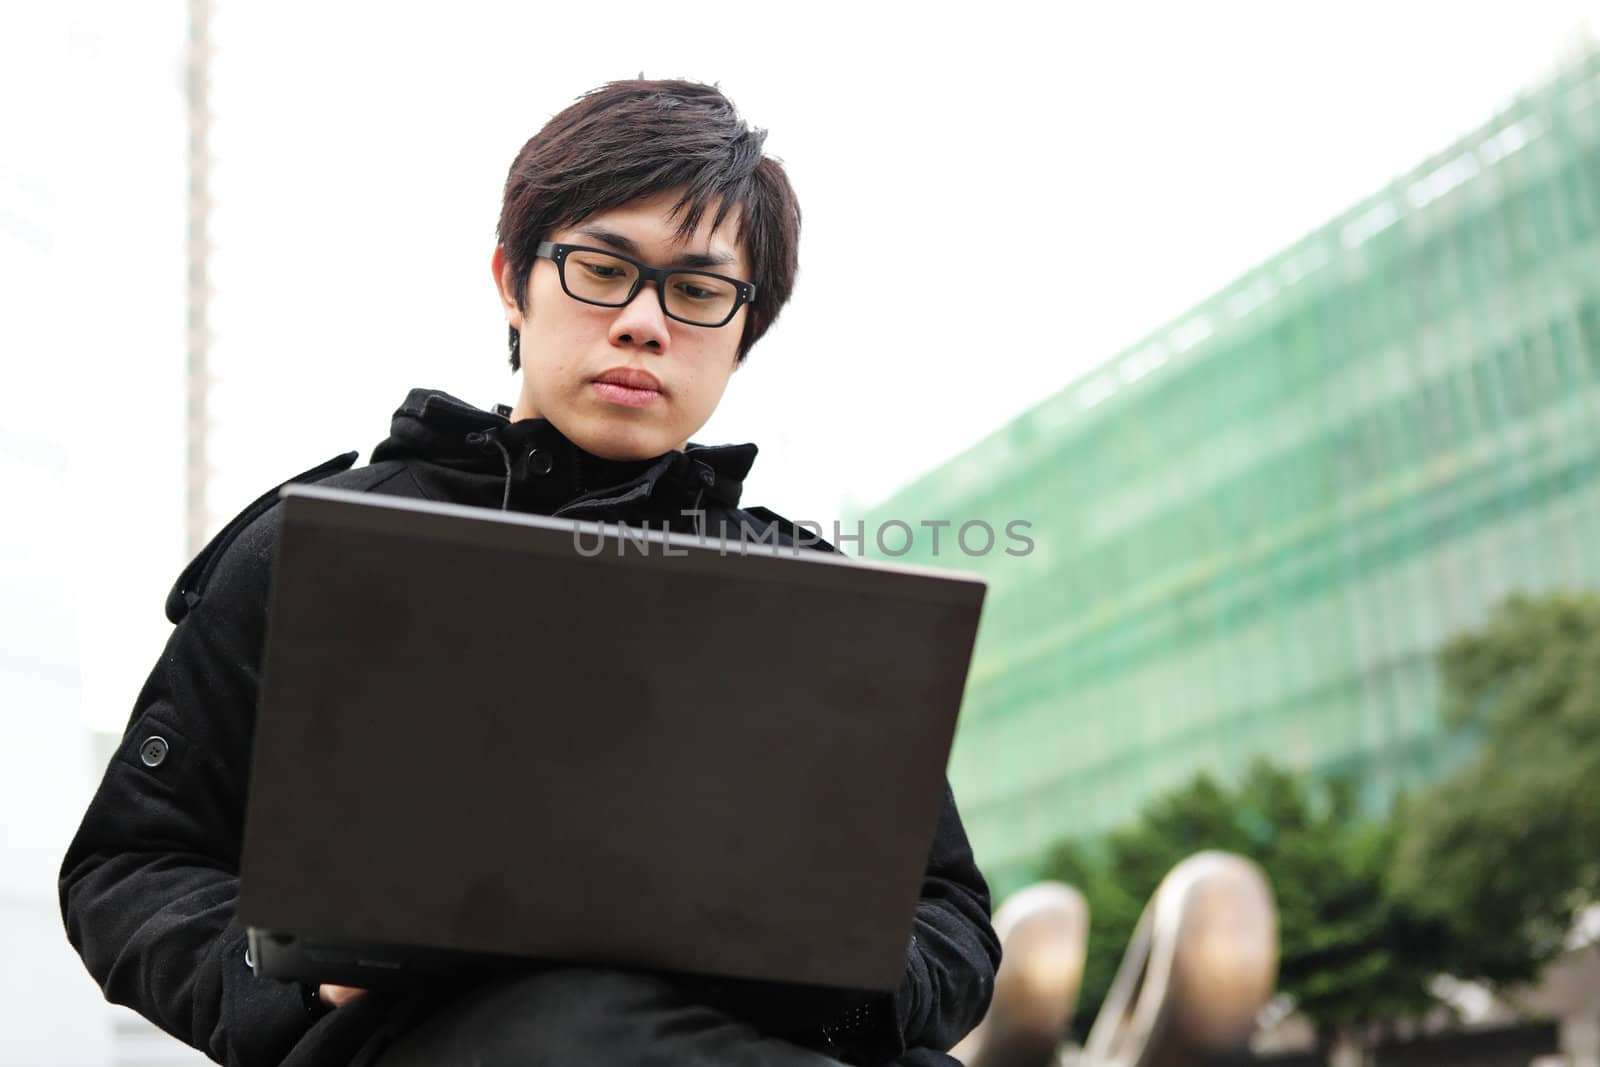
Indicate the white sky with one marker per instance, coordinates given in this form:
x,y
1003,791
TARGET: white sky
x,y
1123,162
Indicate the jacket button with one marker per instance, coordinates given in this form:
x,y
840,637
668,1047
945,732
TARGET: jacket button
x,y
153,753
540,461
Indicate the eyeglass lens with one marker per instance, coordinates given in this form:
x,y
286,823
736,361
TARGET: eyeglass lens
x,y
602,279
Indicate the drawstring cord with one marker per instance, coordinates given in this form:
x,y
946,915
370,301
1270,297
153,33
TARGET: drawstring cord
x,y
479,439
707,478
505,497
704,475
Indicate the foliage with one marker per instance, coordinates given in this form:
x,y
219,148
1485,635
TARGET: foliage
x,y
1507,851
1350,951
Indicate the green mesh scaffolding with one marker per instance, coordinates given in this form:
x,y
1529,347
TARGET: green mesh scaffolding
x,y
1252,531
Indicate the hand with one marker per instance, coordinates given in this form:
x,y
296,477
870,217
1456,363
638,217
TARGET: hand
x,y
337,996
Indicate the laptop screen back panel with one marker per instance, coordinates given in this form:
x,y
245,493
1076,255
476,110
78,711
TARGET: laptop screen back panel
x,y
471,737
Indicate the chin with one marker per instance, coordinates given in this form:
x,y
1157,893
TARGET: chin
x,y
608,440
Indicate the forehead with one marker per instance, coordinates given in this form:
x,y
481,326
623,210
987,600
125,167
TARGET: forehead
x,y
651,224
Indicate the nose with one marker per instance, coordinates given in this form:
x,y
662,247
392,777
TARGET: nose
x,y
640,323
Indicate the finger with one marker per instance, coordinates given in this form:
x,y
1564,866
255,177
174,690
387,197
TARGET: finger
x,y
337,996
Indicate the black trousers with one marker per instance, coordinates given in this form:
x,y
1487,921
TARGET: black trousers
x,y
578,1017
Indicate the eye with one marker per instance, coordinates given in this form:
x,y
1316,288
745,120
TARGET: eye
x,y
603,270
701,289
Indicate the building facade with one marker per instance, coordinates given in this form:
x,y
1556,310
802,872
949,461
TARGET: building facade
x,y
1253,530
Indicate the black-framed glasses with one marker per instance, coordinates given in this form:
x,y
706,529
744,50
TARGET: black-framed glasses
x,y
610,280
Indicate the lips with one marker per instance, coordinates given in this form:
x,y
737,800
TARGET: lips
x,y
628,388
629,378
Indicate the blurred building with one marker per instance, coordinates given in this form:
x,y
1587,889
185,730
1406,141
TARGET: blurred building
x,y
197,249
66,538
1252,531
46,783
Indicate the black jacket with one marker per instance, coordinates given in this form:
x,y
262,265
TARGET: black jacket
x,y
149,887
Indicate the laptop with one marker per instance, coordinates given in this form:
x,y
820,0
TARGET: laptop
x,y
485,738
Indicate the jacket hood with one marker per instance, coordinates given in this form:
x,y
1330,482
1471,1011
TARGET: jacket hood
x,y
537,468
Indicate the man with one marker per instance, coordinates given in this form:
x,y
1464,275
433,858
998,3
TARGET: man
x,y
645,245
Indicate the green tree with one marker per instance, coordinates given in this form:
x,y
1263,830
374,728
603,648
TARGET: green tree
x,y
1350,951
1507,850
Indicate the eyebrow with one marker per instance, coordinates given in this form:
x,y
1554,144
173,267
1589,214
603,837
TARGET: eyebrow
x,y
628,246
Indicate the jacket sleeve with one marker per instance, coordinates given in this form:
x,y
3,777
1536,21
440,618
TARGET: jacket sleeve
x,y
950,962
148,886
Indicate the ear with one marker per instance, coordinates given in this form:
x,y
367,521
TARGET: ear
x,y
503,282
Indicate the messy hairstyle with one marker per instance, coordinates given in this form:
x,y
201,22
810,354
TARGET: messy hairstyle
x,y
628,140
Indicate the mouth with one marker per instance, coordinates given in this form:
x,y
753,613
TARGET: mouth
x,y
628,387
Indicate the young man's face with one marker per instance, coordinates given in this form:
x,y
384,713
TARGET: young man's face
x,y
583,366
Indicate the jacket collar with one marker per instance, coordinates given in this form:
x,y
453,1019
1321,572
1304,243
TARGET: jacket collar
x,y
529,465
